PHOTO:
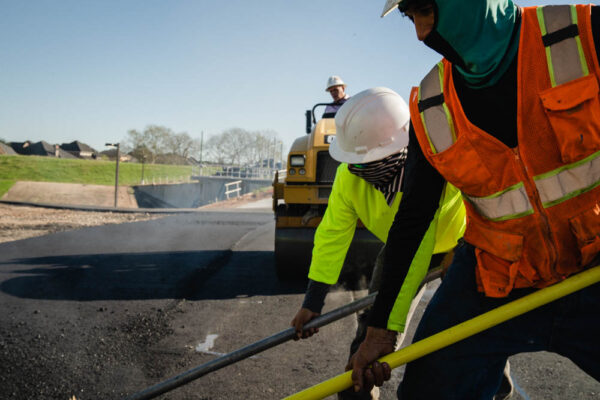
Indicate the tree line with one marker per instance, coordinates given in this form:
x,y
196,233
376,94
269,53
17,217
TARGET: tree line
x,y
234,146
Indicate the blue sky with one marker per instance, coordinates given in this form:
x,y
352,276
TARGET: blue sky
x,y
91,70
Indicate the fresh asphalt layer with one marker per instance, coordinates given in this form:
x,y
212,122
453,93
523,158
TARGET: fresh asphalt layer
x,y
103,312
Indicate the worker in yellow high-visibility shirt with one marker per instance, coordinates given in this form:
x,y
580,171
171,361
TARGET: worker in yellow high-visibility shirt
x,y
371,140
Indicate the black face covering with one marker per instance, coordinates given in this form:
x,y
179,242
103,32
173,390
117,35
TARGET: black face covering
x,y
385,175
436,42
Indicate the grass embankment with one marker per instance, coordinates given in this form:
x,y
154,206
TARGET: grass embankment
x,y
91,172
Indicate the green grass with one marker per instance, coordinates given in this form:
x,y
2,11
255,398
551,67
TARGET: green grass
x,y
5,185
93,172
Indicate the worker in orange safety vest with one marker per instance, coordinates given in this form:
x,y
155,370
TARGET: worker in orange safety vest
x,y
511,117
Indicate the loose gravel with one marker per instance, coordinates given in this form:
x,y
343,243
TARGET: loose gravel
x,y
20,222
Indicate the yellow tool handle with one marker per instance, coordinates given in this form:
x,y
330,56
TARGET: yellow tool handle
x,y
460,331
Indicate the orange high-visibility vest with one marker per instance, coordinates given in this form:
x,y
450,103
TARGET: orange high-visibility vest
x,y
533,212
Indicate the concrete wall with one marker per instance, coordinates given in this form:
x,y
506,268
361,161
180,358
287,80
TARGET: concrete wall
x,y
191,195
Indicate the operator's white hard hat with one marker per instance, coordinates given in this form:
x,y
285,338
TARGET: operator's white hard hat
x,y
370,126
334,81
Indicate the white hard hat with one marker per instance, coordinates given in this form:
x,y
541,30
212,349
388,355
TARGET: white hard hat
x,y
389,7
334,81
370,126
401,4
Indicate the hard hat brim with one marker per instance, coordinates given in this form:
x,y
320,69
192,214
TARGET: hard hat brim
x,y
341,84
389,7
377,153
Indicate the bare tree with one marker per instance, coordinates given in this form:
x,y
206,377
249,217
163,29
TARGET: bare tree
x,y
156,137
212,150
237,146
180,144
142,153
133,140
265,146
230,146
153,140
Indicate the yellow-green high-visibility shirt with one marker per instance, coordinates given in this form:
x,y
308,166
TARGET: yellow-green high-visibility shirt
x,y
352,198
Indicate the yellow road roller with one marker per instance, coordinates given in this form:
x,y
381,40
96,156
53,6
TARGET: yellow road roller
x,y
300,197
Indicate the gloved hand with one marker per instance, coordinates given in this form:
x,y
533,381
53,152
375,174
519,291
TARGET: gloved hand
x,y
302,317
377,343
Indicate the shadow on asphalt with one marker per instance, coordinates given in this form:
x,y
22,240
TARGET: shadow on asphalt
x,y
193,275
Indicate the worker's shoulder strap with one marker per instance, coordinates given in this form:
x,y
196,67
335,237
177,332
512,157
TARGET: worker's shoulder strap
x,y
564,56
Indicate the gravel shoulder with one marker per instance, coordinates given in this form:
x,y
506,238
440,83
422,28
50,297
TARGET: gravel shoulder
x,y
21,222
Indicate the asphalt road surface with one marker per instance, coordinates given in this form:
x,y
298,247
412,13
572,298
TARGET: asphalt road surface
x,y
104,312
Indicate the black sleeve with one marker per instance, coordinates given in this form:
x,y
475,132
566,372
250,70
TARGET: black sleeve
x,y
596,29
314,299
420,199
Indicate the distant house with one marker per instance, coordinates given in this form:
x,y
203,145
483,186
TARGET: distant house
x,y
20,148
41,148
79,149
127,158
6,150
111,154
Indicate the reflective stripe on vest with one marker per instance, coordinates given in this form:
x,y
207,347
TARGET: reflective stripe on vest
x,y
566,62
434,112
510,203
569,181
560,34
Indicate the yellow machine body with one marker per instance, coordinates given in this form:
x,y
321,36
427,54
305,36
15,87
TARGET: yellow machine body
x,y
300,197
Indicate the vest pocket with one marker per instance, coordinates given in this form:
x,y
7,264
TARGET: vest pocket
x,y
475,178
573,110
498,256
586,228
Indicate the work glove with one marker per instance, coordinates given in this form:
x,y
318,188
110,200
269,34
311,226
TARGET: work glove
x,y
378,342
302,317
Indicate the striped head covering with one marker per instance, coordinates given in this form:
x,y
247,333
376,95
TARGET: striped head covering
x,y
385,174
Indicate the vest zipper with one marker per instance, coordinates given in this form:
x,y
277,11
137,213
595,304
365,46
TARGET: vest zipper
x,y
538,204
